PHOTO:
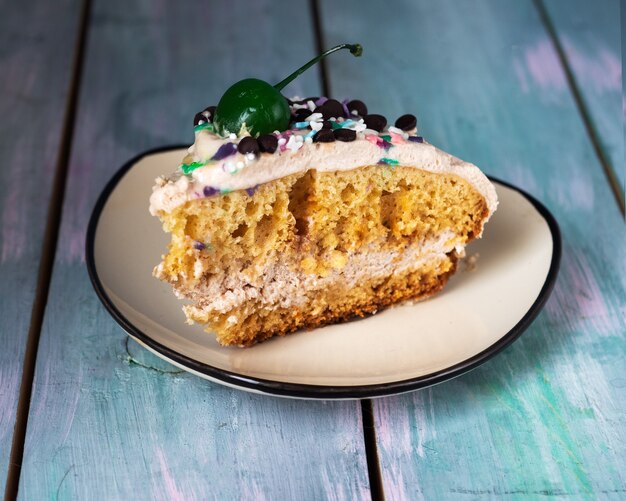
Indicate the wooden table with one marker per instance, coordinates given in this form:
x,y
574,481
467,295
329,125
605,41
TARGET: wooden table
x,y
528,90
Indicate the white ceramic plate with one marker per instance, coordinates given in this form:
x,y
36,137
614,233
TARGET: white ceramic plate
x,y
403,348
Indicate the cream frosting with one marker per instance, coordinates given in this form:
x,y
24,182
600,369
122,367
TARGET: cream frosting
x,y
298,154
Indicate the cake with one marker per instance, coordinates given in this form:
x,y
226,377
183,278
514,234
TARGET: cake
x,y
333,216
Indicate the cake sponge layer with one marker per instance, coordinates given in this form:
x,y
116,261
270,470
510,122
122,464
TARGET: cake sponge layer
x,y
314,248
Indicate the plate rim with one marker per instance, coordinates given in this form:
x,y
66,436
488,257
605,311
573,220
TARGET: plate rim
x,y
303,390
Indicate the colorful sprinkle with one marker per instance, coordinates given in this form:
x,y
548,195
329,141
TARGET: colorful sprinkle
x,y
396,138
250,191
224,151
199,245
203,126
209,191
187,168
416,139
388,161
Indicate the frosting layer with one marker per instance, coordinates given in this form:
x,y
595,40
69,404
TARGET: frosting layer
x,y
244,171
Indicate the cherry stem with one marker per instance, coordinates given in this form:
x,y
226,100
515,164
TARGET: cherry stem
x,y
355,50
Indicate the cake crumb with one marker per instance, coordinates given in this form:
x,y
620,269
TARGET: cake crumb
x,y
469,263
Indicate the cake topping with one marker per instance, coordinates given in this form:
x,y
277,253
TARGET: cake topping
x,y
356,107
330,109
248,145
268,143
375,122
256,107
406,122
324,136
345,135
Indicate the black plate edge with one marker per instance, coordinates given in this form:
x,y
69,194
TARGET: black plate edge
x,y
319,392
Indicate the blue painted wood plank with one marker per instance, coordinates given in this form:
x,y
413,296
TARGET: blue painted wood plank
x,y
35,67
106,416
590,35
546,417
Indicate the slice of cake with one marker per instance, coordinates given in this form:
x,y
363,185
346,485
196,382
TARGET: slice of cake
x,y
331,216
294,230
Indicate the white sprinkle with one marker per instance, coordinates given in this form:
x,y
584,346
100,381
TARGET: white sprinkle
x,y
317,126
250,156
200,122
308,140
281,141
293,144
354,112
360,126
311,105
240,165
206,113
313,117
232,136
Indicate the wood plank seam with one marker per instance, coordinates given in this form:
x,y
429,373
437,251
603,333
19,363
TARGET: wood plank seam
x,y
47,260
320,46
609,170
371,451
369,429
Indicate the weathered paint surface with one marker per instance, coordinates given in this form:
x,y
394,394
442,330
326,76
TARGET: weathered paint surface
x,y
546,417
106,416
591,38
35,67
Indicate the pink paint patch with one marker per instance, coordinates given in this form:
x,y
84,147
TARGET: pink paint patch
x,y
520,73
544,67
578,298
13,224
171,489
600,71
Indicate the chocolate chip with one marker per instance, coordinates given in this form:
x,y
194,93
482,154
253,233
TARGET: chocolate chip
x,y
326,124
267,143
345,135
211,111
206,115
416,139
375,122
331,108
357,106
199,119
248,145
324,136
301,114
406,122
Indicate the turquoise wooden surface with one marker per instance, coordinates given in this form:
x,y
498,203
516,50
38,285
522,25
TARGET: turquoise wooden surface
x,y
35,67
107,419
546,417
591,38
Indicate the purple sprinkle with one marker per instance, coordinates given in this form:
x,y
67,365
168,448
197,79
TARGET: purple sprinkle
x,y
386,145
321,101
250,191
416,139
209,191
199,245
224,151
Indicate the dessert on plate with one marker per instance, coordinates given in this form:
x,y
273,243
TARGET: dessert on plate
x,y
290,214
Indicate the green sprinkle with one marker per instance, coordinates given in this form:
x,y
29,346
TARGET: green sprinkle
x,y
205,125
335,125
187,168
389,161
386,137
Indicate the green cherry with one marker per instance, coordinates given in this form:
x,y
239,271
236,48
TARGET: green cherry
x,y
259,106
